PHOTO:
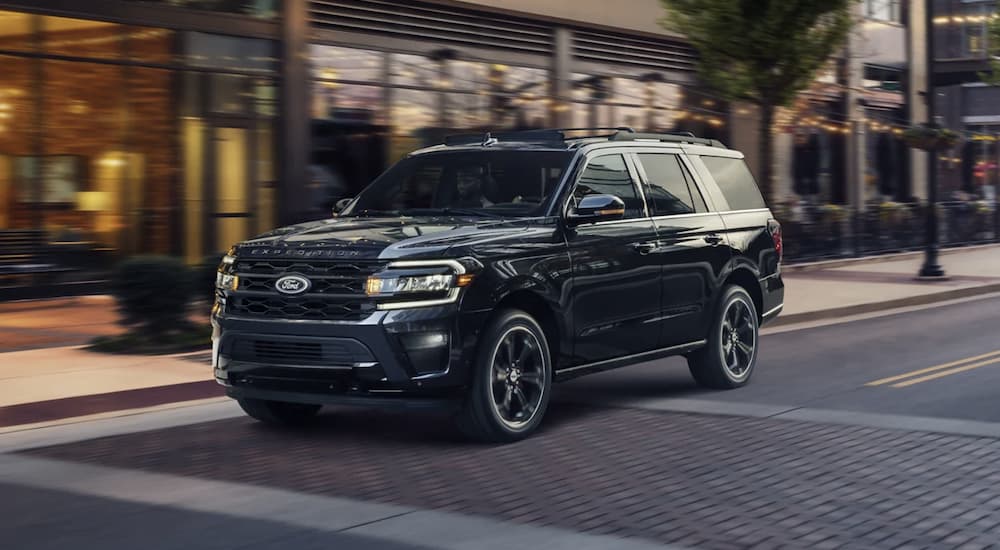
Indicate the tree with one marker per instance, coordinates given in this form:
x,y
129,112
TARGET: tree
x,y
762,51
992,76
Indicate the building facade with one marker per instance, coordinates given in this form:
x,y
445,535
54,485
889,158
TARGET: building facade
x,y
181,126
841,141
139,127
964,102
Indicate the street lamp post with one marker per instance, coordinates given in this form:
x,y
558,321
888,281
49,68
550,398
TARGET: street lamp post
x,y
931,269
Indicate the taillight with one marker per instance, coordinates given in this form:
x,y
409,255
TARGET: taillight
x,y
774,228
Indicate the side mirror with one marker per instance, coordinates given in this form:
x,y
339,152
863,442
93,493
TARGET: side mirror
x,y
341,205
597,208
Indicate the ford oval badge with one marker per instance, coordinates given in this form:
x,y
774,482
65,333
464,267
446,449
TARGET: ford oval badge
x,y
292,284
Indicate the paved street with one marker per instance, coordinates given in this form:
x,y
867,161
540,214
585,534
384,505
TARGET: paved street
x,y
808,456
829,367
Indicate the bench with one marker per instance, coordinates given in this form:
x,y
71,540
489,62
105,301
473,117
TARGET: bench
x,y
24,253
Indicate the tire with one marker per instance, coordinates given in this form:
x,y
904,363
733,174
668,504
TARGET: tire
x,y
279,413
725,363
507,399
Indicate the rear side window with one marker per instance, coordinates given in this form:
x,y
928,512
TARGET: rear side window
x,y
608,175
671,190
736,182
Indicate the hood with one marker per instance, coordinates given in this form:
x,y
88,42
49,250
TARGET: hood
x,y
387,238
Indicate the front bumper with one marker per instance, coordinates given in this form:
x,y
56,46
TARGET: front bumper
x,y
409,358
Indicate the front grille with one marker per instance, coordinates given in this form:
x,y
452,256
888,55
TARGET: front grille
x,y
288,352
337,290
296,380
276,307
336,285
297,351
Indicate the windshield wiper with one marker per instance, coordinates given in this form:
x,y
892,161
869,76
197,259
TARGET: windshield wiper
x,y
450,212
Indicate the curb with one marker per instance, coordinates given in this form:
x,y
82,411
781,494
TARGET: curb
x,y
844,262
871,307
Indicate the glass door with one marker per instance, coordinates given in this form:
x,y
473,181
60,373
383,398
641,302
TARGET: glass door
x,y
232,209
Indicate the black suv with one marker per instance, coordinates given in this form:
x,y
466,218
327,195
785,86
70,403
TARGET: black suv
x,y
473,274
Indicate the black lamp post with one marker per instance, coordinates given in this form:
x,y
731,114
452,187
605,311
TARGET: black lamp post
x,y
931,268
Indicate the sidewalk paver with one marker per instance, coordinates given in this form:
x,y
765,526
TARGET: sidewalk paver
x,y
708,481
56,373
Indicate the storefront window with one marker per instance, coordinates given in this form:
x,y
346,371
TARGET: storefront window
x,y
89,186
350,64
82,38
150,45
130,158
262,9
152,155
641,103
16,31
229,53
17,122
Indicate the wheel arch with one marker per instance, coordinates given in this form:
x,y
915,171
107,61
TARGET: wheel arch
x,y
743,277
535,304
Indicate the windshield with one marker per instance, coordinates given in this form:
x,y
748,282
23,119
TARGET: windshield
x,y
479,183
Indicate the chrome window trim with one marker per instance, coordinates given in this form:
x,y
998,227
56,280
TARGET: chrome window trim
x,y
633,175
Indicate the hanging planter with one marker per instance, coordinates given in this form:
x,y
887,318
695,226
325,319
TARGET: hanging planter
x,y
930,138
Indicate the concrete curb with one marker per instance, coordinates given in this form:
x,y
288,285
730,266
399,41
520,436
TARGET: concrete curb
x,y
872,307
877,259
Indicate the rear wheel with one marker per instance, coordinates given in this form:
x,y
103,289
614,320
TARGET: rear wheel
x,y
279,413
511,382
729,358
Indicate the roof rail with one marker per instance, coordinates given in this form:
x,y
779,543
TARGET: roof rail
x,y
685,137
547,135
488,138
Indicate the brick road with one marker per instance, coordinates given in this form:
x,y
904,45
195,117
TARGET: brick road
x,y
707,481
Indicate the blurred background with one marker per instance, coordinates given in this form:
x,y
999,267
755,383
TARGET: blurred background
x,y
178,127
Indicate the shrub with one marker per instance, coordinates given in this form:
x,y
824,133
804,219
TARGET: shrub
x,y
153,293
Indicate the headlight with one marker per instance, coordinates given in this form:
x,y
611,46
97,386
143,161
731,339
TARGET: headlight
x,y
228,259
418,283
226,281
410,284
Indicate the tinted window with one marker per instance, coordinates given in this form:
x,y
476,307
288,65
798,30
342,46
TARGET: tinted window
x,y
495,183
736,182
670,190
608,175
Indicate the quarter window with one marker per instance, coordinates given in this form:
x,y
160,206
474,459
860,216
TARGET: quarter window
x,y
608,175
670,189
736,182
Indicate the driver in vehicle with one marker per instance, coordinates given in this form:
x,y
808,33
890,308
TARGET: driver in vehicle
x,y
470,181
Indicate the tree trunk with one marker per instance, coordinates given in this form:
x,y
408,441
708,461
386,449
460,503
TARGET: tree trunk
x,y
766,142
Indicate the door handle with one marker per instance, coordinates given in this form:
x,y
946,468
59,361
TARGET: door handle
x,y
644,248
714,240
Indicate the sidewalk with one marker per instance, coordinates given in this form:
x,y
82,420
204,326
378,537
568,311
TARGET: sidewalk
x,y
839,288
45,375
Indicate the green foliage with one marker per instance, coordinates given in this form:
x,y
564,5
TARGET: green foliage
x,y
930,138
153,293
764,51
993,30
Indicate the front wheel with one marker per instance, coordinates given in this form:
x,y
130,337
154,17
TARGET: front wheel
x,y
279,413
511,382
729,359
